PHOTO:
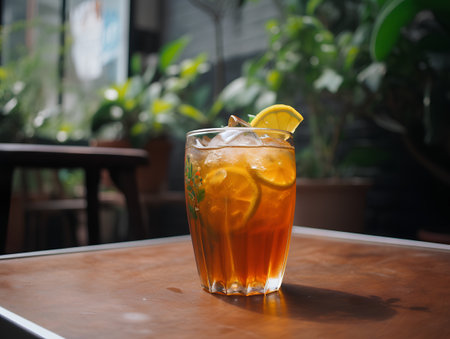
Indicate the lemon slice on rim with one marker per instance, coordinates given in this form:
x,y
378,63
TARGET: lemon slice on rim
x,y
278,170
279,116
231,198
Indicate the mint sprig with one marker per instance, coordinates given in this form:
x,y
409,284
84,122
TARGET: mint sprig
x,y
194,189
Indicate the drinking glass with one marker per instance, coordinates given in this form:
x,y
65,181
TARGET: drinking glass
x,y
240,199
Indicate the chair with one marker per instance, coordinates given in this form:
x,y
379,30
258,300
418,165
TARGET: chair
x,y
120,162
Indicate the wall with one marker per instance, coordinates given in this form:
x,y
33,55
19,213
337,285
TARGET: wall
x,y
244,32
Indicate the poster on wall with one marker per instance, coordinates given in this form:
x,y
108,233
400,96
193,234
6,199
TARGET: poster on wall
x,y
99,31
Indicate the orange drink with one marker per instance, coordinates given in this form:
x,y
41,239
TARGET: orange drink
x,y
240,198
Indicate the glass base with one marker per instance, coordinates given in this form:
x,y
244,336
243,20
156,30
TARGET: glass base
x,y
255,288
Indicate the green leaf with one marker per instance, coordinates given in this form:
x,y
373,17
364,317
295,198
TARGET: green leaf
x,y
103,116
372,75
138,129
382,2
191,195
293,25
329,80
154,90
201,95
350,57
217,107
192,112
136,64
274,79
393,17
171,52
134,88
3,73
150,72
272,26
200,195
190,68
312,5
253,67
160,105
122,89
175,84
231,95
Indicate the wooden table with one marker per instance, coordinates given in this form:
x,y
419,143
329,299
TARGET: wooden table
x,y
120,162
337,285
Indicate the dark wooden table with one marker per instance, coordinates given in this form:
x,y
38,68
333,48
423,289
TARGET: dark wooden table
x,y
120,162
337,285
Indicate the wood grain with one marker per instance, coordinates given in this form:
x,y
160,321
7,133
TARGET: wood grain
x,y
333,288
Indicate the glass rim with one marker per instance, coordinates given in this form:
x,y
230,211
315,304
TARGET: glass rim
x,y
221,129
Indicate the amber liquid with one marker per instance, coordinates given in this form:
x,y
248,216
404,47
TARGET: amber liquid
x,y
241,256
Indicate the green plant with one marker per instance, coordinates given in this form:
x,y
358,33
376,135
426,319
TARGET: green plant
x,y
313,58
164,99
27,79
34,88
342,60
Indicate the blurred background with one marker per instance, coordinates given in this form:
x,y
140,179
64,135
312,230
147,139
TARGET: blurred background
x,y
371,77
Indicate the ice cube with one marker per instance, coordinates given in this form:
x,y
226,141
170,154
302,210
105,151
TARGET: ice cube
x,y
275,141
235,137
247,139
201,143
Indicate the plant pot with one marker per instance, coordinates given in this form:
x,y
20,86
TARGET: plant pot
x,y
336,204
151,178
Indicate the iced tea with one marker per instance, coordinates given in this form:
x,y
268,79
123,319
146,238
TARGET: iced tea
x,y
240,198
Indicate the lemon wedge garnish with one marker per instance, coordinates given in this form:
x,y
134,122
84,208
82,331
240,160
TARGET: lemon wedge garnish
x,y
279,116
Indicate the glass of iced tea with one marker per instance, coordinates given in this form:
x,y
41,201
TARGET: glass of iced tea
x,y
240,198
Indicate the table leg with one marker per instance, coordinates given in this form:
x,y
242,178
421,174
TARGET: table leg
x,y
6,178
125,180
92,179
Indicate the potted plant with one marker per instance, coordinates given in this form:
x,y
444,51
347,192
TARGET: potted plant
x,y
153,106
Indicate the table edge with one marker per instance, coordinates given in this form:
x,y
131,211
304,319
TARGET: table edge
x,y
101,247
296,230
367,238
10,321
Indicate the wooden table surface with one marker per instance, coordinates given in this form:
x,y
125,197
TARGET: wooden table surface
x,y
337,285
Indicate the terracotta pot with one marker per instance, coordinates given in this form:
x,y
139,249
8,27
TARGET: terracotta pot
x,y
336,204
151,178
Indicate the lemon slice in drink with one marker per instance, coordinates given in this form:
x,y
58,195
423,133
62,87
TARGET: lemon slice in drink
x,y
279,116
278,170
231,197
